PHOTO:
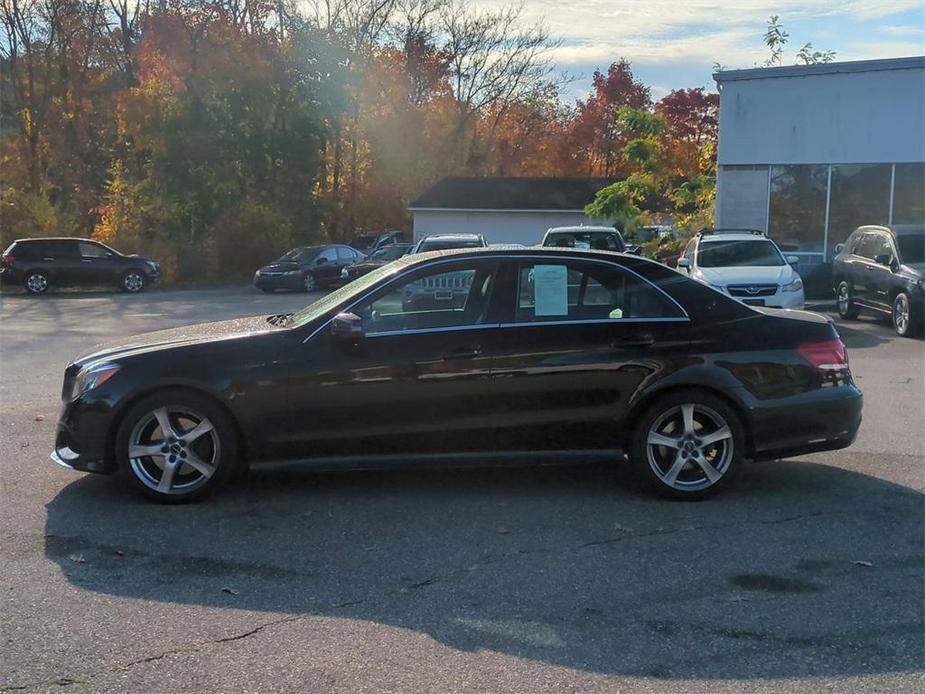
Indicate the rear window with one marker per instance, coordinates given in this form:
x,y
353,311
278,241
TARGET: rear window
x,y
596,240
911,247
441,245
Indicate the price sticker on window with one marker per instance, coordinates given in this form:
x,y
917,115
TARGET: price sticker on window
x,y
550,290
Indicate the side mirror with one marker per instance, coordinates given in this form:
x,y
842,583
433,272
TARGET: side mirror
x,y
839,247
883,259
792,260
347,327
321,261
684,264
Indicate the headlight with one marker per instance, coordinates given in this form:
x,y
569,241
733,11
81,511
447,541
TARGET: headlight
x,y
93,377
152,266
794,286
292,272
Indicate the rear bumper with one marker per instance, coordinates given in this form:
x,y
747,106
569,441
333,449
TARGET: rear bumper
x,y
824,420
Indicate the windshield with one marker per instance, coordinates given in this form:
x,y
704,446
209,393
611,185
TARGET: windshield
x,y
389,253
345,293
598,240
300,255
438,245
911,248
739,254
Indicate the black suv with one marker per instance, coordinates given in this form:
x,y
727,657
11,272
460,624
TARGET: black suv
x,y
882,269
307,268
38,264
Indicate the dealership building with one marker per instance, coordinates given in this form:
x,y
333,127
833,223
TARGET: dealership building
x,y
808,153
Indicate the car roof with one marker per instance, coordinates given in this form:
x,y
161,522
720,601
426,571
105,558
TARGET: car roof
x,y
462,236
526,251
897,229
733,237
54,238
577,229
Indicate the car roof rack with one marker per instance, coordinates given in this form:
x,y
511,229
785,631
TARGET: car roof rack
x,y
730,230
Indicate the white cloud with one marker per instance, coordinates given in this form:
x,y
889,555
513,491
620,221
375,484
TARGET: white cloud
x,y
904,30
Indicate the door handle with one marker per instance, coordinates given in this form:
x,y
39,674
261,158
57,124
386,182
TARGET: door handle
x,y
466,352
86,260
642,340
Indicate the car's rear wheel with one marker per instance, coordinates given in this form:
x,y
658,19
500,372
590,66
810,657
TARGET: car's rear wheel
x,y
36,282
132,282
175,446
847,309
309,282
688,445
905,321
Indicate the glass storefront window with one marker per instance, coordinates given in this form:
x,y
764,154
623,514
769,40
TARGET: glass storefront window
x,y
909,194
796,217
860,195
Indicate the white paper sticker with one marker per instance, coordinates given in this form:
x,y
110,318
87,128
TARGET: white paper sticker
x,y
550,290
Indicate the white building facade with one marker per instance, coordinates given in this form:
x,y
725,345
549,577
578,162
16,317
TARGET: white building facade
x,y
504,209
809,153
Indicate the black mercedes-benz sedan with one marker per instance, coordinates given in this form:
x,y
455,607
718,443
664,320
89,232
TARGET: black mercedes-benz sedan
x,y
549,354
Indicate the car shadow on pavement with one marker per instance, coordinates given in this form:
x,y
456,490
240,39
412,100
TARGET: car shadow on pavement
x,y
800,570
863,339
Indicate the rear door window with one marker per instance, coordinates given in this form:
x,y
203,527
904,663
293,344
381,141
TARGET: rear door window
x,y
582,291
345,253
61,249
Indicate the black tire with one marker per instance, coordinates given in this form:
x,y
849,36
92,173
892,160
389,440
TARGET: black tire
x,y
267,290
906,322
844,299
309,282
214,450
36,282
698,470
132,281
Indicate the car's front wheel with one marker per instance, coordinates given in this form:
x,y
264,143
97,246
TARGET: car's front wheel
x,y
174,446
132,282
688,445
36,282
309,282
847,309
905,321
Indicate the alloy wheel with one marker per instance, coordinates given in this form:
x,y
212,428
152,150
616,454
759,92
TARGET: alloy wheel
x,y
309,282
901,314
843,298
37,283
174,450
690,447
133,282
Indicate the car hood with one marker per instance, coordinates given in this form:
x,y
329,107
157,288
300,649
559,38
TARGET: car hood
x,y
723,276
280,266
369,264
915,269
173,337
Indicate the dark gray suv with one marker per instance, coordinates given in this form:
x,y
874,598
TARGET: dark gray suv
x,y
38,264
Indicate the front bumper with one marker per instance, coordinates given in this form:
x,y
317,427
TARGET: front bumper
x,y
81,436
278,281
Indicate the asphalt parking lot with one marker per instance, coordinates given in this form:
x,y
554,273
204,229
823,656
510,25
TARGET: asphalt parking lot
x,y
808,575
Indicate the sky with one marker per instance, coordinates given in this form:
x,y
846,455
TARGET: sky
x,y
674,43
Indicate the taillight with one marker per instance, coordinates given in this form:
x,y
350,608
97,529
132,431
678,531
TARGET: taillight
x,y
6,260
830,355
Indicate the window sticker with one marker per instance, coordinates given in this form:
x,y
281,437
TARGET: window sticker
x,y
550,290
616,313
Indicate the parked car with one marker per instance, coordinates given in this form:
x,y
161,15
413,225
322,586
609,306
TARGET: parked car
x,y
553,354
383,256
597,238
307,268
371,242
38,264
746,265
445,242
881,269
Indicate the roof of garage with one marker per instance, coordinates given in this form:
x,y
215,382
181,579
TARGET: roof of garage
x,y
510,193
